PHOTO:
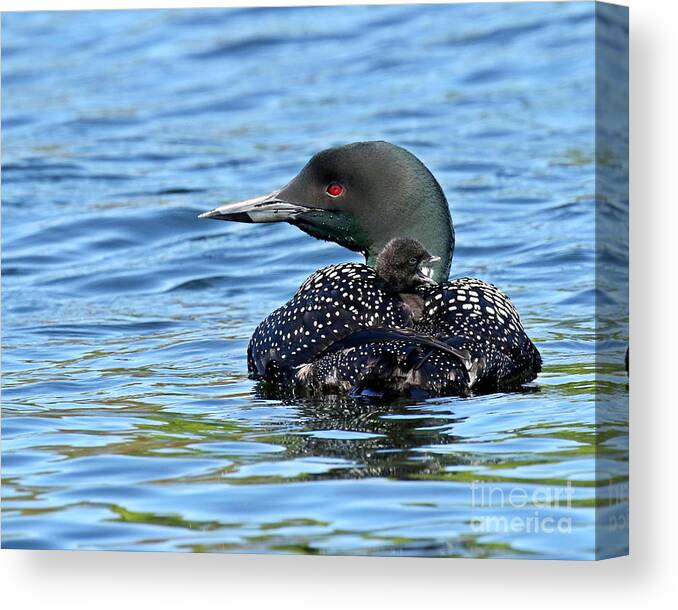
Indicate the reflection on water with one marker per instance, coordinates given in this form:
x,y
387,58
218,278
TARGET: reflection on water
x,y
128,421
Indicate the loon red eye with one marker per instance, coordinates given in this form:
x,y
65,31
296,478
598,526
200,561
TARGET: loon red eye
x,y
335,189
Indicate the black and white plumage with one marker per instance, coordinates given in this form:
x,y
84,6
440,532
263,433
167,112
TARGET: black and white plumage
x,y
348,329
308,340
329,306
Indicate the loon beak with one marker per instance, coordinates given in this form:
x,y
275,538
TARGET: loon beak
x,y
425,271
268,208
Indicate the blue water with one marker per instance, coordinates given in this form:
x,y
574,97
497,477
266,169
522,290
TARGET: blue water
x,y
128,421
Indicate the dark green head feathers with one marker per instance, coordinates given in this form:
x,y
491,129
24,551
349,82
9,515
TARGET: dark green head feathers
x,y
360,196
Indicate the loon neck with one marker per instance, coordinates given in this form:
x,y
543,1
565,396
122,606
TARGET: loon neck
x,y
414,207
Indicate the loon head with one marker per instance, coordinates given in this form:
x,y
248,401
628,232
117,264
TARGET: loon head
x,y
361,196
404,264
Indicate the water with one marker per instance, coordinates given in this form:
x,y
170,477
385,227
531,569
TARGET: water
x,y
128,419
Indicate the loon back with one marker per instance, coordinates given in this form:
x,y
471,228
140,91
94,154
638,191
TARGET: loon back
x,y
485,349
343,331
330,305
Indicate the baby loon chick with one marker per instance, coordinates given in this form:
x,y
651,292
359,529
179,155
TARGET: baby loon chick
x,y
400,263
404,265
346,328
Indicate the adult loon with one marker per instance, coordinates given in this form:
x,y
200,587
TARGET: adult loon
x,y
347,328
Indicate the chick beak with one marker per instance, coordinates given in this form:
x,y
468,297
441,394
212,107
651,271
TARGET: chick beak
x,y
425,270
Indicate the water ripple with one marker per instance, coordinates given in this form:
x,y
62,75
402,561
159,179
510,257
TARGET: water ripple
x,y
128,421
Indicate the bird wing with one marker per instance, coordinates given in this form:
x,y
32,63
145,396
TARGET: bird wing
x,y
485,323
